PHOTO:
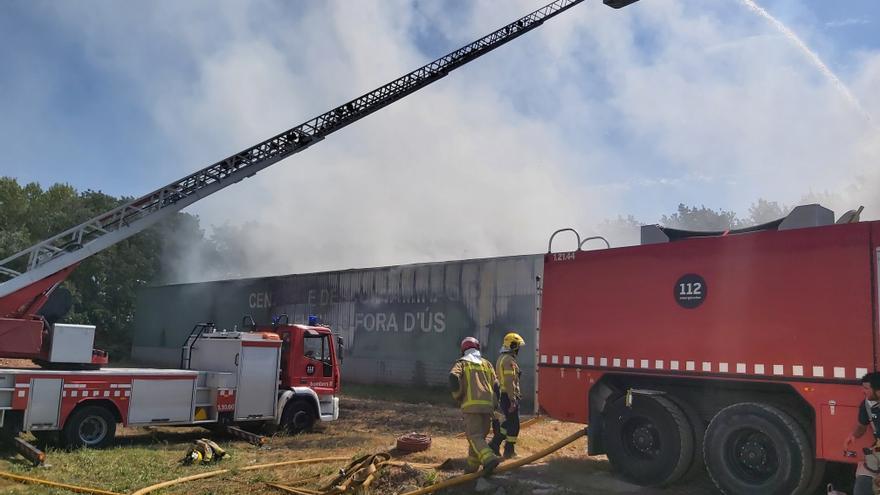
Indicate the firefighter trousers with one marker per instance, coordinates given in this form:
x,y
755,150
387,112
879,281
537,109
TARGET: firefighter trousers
x,y
476,427
507,430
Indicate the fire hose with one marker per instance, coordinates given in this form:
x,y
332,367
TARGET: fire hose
x,y
373,468
211,474
413,442
71,488
504,467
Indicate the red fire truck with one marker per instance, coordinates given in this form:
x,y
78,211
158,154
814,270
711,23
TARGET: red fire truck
x,y
286,374
738,351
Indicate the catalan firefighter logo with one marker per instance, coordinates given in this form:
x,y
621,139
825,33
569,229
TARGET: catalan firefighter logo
x,y
690,291
310,369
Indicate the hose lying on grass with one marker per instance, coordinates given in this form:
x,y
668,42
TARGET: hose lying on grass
x,y
368,465
211,474
504,467
71,488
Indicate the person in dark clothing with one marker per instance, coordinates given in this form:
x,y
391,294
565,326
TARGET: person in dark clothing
x,y
869,415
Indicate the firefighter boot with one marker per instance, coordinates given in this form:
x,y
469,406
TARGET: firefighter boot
x,y
495,444
509,450
490,466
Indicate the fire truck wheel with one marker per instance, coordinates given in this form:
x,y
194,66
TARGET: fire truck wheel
x,y
698,428
298,416
819,467
89,426
755,448
651,442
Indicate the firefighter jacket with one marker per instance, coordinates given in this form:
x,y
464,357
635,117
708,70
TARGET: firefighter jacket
x,y
476,384
508,375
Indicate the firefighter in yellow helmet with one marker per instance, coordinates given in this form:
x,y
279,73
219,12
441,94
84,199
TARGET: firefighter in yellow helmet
x,y
473,383
508,375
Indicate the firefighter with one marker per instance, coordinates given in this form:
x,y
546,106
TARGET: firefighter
x,y
508,376
473,383
866,482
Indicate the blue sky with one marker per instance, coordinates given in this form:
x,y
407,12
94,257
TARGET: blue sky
x,y
596,114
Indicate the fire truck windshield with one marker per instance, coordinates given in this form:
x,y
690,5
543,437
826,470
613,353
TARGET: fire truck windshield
x,y
317,347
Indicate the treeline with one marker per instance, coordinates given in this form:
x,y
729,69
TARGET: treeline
x,y
104,286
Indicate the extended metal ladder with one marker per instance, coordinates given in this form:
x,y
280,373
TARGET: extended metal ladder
x,y
74,245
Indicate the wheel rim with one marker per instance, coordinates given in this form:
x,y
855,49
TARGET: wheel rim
x,y
752,455
641,439
92,430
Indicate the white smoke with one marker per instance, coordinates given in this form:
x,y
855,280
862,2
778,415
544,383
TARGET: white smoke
x,y
597,114
812,56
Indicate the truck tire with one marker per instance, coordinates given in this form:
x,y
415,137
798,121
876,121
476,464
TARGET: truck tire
x,y
819,467
89,426
298,416
698,429
756,448
650,443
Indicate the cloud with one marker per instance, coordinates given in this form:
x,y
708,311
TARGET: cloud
x,y
596,114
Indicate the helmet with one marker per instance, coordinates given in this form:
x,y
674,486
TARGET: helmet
x,y
470,343
513,341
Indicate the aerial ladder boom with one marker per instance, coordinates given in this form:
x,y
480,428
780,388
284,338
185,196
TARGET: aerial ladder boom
x,y
33,273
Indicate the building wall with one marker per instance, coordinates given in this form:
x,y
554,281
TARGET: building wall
x,y
165,315
401,324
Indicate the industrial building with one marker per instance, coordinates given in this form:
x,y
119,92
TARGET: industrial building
x,y
402,325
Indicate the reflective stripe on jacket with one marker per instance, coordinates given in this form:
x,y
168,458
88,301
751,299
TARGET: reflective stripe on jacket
x,y
508,375
476,381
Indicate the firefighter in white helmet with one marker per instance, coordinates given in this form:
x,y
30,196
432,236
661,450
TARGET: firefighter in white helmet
x,y
473,383
508,376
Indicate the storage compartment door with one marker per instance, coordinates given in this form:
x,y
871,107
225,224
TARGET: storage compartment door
x,y
837,423
43,404
215,354
258,383
161,401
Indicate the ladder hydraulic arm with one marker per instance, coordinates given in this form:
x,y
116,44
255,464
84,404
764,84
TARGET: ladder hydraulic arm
x,y
33,273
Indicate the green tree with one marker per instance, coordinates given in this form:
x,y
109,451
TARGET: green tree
x,y
700,218
104,286
763,211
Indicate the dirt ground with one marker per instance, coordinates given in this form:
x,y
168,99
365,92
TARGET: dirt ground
x,y
143,456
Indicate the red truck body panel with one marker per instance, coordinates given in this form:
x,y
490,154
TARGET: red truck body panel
x,y
796,306
110,384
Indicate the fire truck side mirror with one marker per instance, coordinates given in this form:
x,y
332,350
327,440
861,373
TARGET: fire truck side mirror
x,y
340,345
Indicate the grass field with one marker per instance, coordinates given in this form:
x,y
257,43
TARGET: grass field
x,y
367,424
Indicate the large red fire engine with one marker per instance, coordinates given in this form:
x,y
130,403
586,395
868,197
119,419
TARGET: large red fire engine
x,y
740,351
